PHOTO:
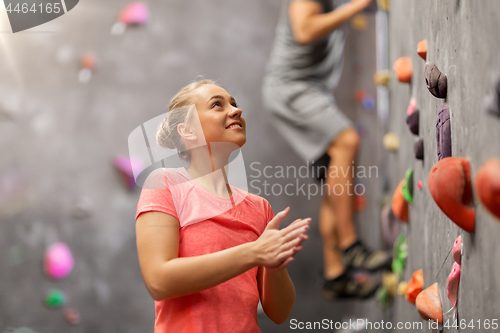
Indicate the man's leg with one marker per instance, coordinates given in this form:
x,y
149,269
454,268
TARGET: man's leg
x,y
336,216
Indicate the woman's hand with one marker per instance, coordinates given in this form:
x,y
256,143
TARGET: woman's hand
x,y
361,3
275,248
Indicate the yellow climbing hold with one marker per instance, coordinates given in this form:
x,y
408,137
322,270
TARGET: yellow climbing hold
x,y
391,141
383,4
402,288
381,78
359,22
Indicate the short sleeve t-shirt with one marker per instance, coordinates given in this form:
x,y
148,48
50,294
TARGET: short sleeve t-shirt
x,y
230,306
319,61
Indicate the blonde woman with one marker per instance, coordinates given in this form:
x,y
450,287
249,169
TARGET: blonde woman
x,y
209,251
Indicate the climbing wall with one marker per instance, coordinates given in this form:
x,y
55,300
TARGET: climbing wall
x,y
459,37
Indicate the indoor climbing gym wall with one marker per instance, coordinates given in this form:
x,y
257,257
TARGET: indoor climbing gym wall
x,y
445,174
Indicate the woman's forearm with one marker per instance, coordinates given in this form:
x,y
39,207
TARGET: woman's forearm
x,y
319,25
277,294
188,275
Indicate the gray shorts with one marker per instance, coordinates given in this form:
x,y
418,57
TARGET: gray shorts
x,y
305,114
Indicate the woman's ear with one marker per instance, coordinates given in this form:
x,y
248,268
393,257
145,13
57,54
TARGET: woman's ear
x,y
186,132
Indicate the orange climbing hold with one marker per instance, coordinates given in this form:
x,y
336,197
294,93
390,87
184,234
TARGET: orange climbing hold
x,y
415,286
359,203
429,305
450,186
488,186
403,69
399,204
422,49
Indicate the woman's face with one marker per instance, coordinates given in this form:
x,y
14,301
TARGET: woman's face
x,y
219,115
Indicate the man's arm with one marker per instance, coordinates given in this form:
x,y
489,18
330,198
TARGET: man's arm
x,y
309,24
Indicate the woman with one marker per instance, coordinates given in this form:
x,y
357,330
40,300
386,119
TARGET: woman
x,y
208,251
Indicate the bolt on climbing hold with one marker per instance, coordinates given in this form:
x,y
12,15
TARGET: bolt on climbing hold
x,y
58,261
413,122
412,106
359,22
403,69
408,186
457,250
437,82
453,281
126,167
391,141
488,186
451,188
382,78
55,298
414,286
443,132
134,14
418,149
422,49
399,204
429,304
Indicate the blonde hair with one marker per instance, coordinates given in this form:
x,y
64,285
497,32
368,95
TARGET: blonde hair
x,y
179,112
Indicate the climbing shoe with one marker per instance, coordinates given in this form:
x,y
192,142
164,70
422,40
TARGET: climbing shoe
x,y
357,256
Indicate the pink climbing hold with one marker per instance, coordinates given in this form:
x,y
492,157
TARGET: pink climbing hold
x,y
453,281
135,13
58,261
126,166
412,106
457,250
420,185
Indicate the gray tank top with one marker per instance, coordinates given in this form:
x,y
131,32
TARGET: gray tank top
x,y
319,61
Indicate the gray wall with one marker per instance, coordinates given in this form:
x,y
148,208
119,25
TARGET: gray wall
x,y
461,37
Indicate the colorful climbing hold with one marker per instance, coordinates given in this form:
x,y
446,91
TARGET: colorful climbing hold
x,y
383,4
412,106
58,261
419,184
390,225
368,102
88,64
413,122
488,186
457,250
126,166
382,296
399,204
453,281
72,316
362,130
402,288
359,22
414,286
391,141
429,305
403,69
390,282
418,149
443,132
382,78
55,298
400,252
134,14
422,49
451,188
360,94
408,186
437,82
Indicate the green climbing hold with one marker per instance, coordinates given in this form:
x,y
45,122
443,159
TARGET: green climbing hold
x,y
55,299
383,296
408,186
400,254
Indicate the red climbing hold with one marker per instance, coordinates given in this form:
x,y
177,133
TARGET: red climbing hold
x,y
429,305
399,204
450,186
488,186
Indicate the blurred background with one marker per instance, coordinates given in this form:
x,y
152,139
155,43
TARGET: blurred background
x,y
73,89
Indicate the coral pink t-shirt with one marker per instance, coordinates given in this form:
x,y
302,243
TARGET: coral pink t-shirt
x,y
208,224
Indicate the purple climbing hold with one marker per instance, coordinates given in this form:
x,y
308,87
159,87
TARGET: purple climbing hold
x,y
437,82
412,121
492,101
419,149
443,132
